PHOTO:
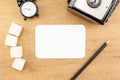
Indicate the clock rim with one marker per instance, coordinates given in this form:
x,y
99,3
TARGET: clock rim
x,y
32,15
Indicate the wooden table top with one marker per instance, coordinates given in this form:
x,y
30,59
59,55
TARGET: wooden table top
x,y
105,67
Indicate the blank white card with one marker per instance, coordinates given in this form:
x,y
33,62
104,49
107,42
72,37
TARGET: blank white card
x,y
60,41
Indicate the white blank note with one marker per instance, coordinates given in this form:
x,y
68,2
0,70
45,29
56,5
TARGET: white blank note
x,y
60,41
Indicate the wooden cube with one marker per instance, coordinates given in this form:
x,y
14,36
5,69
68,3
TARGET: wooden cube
x,y
15,29
11,40
18,64
16,52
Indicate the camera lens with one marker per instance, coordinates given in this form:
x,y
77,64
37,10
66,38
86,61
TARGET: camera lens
x,y
94,3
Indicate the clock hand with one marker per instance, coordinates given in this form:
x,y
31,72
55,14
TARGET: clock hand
x,y
26,8
30,5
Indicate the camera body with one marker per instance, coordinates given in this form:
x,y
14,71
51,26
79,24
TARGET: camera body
x,y
95,10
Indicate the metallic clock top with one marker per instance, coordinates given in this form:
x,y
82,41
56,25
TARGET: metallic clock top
x,y
94,3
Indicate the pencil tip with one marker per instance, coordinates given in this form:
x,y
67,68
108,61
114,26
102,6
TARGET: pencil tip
x,y
108,41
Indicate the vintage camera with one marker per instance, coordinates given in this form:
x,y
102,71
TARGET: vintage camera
x,y
95,10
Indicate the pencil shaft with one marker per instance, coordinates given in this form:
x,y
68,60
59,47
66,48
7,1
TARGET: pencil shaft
x,y
89,61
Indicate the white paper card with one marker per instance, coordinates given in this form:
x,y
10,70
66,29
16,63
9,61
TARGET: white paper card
x,y
60,41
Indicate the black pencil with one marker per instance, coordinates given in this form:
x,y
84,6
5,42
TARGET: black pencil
x,y
90,60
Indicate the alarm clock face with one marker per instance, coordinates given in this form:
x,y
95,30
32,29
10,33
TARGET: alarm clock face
x,y
28,9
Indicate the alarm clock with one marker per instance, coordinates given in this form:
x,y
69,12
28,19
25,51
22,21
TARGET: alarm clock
x,y
95,10
28,8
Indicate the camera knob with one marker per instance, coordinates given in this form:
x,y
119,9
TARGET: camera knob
x,y
94,3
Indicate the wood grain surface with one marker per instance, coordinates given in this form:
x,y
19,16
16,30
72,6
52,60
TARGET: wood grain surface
x,y
105,67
